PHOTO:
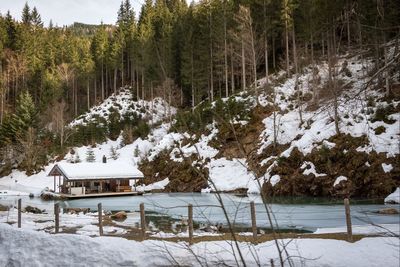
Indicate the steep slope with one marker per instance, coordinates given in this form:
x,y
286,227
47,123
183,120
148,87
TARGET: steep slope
x,y
247,144
309,157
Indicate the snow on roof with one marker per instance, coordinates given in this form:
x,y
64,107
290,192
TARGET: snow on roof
x,y
96,170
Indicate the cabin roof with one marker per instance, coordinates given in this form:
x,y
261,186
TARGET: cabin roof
x,y
96,171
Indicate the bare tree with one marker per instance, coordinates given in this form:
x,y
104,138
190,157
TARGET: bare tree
x,y
58,119
287,19
29,149
245,36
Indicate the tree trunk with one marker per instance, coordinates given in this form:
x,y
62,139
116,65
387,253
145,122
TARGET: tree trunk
x,y
132,75
331,50
76,97
266,45
62,125
95,90
192,80
115,80
299,95
253,51
243,68
122,69
225,56
287,43
102,80
266,61
88,94
232,72
106,84
312,48
273,54
211,63
143,96
137,86
348,24
387,80
151,95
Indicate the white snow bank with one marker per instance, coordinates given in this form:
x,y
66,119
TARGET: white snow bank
x,y
154,186
20,182
28,248
393,197
230,174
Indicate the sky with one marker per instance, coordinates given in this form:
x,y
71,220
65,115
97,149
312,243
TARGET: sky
x,y
66,12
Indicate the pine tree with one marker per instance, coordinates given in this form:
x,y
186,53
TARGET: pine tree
x,y
11,29
90,156
26,14
25,117
36,18
51,26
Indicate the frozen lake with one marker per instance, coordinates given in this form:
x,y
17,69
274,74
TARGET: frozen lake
x,y
304,214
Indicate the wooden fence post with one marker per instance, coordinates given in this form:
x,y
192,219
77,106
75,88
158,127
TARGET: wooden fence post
x,y
348,220
253,221
190,223
19,212
57,217
142,221
100,212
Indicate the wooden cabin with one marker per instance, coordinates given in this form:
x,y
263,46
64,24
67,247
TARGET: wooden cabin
x,y
79,180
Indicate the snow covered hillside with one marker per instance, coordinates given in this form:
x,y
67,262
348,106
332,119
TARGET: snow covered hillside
x,y
152,112
369,140
239,153
123,103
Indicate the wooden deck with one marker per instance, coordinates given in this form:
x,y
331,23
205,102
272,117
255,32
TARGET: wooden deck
x,y
108,194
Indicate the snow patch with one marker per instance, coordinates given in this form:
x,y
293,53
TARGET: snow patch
x,y
387,167
339,179
274,179
309,168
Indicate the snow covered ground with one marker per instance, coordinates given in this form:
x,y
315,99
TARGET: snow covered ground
x,y
393,197
29,248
